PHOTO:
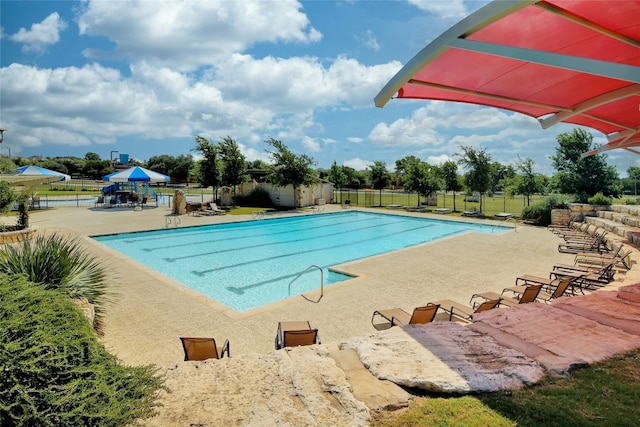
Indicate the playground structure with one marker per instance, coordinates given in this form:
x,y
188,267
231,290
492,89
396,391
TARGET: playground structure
x,y
127,191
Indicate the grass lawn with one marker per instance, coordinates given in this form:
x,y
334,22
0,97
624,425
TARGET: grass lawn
x,y
604,394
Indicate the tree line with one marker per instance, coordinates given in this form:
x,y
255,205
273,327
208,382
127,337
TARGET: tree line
x,y
472,171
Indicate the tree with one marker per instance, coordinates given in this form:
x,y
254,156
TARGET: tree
x,y
290,168
379,176
422,178
182,168
634,174
7,196
74,165
582,176
92,156
354,178
257,164
527,182
6,165
208,175
402,166
178,168
500,174
450,177
337,176
478,166
233,163
96,169
163,164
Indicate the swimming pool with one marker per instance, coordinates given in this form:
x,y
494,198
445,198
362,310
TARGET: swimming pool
x,y
249,264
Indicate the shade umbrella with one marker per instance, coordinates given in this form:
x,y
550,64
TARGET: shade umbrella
x,y
136,174
45,174
558,61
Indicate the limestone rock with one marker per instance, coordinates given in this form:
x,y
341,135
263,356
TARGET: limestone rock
x,y
291,387
87,309
444,357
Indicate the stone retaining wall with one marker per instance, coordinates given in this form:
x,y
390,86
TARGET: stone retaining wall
x,y
622,220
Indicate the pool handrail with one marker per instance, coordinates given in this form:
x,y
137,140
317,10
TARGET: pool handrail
x,y
311,267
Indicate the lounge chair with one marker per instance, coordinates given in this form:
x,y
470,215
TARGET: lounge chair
x,y
580,229
529,294
214,209
597,233
346,204
397,316
204,348
593,245
603,273
551,292
296,333
463,312
532,221
561,228
99,201
622,258
587,279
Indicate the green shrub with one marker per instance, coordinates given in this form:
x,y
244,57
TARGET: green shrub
x,y
54,372
599,199
541,212
57,262
258,197
7,196
23,211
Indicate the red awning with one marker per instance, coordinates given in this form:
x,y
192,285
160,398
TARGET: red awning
x,y
565,61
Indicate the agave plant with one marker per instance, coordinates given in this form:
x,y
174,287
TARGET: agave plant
x,y
58,262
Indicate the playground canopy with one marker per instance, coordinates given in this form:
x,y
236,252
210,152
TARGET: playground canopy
x,y
136,174
565,61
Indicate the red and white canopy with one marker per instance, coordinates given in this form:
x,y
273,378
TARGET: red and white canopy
x,y
568,61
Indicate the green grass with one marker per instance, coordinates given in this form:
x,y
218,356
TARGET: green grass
x,y
604,394
427,412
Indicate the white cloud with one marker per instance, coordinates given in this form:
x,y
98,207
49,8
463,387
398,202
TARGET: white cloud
x,y
443,9
310,144
369,41
41,35
438,160
186,35
357,164
300,82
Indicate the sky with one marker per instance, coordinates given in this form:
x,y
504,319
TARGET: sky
x,y
144,78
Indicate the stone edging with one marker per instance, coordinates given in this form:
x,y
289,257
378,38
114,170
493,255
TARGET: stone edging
x,y
16,236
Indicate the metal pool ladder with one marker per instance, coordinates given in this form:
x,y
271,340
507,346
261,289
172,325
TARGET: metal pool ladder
x,y
311,267
168,221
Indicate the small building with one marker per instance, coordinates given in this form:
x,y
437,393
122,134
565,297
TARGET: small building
x,y
307,195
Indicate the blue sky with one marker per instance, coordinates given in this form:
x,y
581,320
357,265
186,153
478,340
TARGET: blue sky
x,y
145,77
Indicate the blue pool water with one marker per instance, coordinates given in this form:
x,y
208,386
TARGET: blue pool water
x,y
250,264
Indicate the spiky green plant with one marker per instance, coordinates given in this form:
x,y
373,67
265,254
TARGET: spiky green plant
x,y
60,263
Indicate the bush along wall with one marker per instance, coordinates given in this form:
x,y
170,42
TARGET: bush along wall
x,y
53,370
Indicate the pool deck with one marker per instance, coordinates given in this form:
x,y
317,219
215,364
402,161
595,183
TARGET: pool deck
x,y
150,311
